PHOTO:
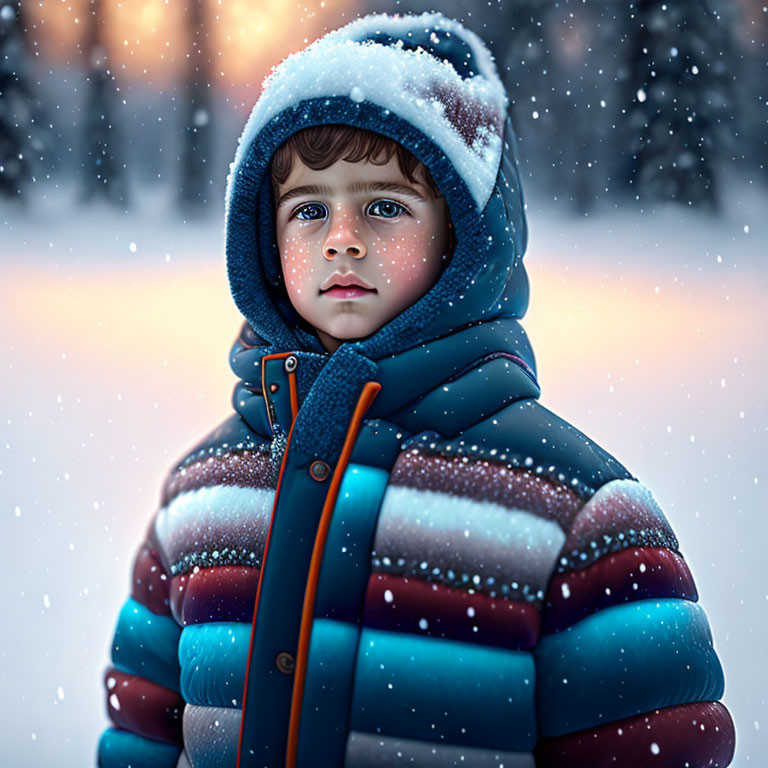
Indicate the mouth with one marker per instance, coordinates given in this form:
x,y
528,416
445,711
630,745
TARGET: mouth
x,y
347,291
346,285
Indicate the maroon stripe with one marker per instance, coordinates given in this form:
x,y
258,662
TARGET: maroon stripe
x,y
637,573
484,480
693,735
143,707
416,606
222,593
150,582
246,469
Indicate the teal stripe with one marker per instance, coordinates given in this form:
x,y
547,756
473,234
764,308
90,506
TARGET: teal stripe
x,y
123,749
146,644
623,661
328,691
213,660
347,553
444,691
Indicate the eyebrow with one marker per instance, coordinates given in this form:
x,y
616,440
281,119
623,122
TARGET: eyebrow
x,y
360,186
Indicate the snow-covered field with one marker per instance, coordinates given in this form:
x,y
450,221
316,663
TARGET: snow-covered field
x,y
650,334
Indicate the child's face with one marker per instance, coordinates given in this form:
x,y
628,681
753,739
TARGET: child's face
x,y
363,222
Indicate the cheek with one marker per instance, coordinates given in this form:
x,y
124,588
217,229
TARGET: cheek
x,y
295,255
408,260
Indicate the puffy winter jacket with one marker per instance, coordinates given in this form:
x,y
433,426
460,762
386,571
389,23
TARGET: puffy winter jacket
x,y
394,554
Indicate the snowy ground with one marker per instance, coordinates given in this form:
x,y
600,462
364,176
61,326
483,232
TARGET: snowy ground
x,y
650,333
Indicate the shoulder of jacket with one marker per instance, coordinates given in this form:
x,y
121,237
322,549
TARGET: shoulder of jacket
x,y
477,391
528,459
231,454
526,435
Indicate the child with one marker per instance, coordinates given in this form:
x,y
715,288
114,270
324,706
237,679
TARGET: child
x,y
391,554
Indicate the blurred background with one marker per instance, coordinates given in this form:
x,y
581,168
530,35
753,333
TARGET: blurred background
x,y
643,138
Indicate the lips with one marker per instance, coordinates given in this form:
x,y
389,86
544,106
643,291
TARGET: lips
x,y
347,291
348,280
346,286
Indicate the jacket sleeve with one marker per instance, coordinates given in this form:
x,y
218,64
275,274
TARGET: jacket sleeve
x,y
626,672
142,683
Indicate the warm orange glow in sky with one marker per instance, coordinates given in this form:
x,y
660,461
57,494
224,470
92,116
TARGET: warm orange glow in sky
x,y
146,39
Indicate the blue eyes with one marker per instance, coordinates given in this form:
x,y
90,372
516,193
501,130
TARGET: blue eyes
x,y
388,209
310,212
382,209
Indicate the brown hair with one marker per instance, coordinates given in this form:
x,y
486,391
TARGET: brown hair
x,y
320,146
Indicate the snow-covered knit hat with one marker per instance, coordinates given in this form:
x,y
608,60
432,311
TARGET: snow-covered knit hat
x,y
431,85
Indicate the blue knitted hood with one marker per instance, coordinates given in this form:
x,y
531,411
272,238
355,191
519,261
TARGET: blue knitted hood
x,y
430,84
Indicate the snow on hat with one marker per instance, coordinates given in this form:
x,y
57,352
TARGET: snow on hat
x,y
428,69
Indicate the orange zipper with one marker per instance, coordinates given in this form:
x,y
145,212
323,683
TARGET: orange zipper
x,y
370,390
294,411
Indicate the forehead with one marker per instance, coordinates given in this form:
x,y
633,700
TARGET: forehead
x,y
344,173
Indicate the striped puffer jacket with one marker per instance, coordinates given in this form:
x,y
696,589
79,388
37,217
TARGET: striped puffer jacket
x,y
508,595
394,555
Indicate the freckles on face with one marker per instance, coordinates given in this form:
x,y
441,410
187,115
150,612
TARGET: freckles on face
x,y
298,263
301,249
404,259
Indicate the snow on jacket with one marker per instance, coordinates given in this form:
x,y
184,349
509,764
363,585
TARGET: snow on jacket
x,y
393,554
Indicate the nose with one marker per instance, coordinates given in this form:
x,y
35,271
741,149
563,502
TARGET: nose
x,y
344,238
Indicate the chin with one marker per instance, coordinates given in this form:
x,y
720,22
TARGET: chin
x,y
351,330
348,331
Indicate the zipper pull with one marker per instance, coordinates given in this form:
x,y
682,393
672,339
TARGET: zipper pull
x,y
277,452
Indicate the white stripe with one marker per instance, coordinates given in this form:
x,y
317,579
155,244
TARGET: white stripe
x,y
211,735
368,750
222,514
443,530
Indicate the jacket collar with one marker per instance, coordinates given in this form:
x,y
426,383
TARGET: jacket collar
x,y
275,384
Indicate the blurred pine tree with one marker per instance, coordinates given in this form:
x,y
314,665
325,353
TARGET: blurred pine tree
x,y
680,100
196,168
104,175
23,133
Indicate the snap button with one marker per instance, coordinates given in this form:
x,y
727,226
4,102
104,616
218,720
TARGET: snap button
x,y
319,470
273,387
290,363
285,663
